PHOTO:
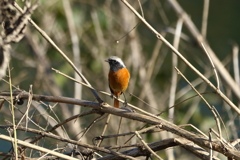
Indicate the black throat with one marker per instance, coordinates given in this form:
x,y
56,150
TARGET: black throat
x,y
115,67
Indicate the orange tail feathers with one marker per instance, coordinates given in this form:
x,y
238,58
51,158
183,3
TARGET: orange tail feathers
x,y
116,103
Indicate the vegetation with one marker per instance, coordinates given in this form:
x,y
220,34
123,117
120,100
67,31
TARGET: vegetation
x,y
183,96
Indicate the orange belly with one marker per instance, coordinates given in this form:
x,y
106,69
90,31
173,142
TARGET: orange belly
x,y
118,83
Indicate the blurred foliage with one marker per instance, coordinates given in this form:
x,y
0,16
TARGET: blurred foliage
x,y
97,43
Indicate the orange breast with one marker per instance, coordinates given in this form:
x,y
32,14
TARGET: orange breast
x,y
118,81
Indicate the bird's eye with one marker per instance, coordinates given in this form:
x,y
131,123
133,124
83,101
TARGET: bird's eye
x,y
20,101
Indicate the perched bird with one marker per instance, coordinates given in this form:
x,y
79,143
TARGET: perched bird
x,y
118,77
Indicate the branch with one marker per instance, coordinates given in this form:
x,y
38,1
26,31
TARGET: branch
x,y
194,31
59,51
163,124
29,145
161,145
50,135
160,37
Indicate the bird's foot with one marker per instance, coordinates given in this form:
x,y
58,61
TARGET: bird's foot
x,y
125,104
111,96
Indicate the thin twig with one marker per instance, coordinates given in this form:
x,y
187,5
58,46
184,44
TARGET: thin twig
x,y
50,135
142,131
27,110
13,115
29,145
72,118
165,144
64,122
173,87
90,125
184,125
146,145
219,65
76,55
140,6
59,51
160,37
236,63
194,149
205,18
214,68
222,141
210,140
104,129
205,101
119,127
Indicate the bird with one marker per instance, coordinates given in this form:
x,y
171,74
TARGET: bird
x,y
118,77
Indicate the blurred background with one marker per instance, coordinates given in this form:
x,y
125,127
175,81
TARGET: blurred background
x,y
88,32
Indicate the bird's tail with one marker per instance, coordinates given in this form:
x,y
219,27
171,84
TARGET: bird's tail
x,y
116,102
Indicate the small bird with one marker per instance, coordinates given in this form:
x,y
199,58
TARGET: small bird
x,y
118,77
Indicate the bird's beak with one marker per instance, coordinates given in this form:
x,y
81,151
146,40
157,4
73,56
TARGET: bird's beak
x,y
106,60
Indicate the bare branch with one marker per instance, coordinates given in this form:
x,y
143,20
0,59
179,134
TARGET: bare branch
x,y
165,125
160,37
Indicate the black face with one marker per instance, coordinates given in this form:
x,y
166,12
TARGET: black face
x,y
114,65
113,62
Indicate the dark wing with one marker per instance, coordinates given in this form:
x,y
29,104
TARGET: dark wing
x,y
111,89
